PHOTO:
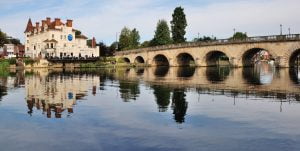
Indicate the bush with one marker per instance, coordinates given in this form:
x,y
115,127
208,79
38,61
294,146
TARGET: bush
x,y
29,61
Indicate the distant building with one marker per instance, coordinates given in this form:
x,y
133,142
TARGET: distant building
x,y
57,39
12,51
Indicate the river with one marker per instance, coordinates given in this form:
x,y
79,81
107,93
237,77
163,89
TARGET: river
x,y
151,109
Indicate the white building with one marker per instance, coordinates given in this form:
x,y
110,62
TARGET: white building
x,y
57,39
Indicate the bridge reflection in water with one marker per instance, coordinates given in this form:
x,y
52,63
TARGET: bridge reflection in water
x,y
55,92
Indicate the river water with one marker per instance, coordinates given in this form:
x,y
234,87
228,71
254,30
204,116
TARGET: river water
x,y
157,109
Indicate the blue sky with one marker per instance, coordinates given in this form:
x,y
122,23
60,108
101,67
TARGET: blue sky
x,y
104,18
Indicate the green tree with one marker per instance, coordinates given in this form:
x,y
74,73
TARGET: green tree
x,y
145,44
205,39
77,33
178,25
135,39
239,36
3,38
125,39
162,34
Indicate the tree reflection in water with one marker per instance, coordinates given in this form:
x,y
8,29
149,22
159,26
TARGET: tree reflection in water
x,y
179,105
162,97
129,90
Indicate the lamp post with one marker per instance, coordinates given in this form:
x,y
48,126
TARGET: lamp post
x,y
289,31
280,29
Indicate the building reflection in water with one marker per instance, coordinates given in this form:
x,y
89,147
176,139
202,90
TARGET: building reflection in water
x,y
57,93
261,74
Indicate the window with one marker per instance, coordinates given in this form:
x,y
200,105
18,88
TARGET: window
x,y
65,45
52,45
48,46
34,47
27,41
61,37
52,35
27,48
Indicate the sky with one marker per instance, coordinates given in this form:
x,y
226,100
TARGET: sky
x,y
104,19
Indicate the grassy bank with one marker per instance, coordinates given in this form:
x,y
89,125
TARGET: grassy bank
x,y
108,62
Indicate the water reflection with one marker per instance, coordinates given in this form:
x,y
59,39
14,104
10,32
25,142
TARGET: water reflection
x,y
129,90
261,74
179,105
217,74
57,92
161,71
295,75
185,72
162,97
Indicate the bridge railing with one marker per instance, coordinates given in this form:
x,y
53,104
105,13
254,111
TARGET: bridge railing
x,y
272,38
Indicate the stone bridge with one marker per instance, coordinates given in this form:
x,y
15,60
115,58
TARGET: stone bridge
x,y
284,50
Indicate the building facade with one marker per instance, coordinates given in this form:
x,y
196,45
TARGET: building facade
x,y
55,39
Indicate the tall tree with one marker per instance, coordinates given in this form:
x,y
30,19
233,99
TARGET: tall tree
x,y
162,34
178,25
135,39
124,40
3,38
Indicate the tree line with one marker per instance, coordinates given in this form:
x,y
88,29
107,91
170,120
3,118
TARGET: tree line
x,y
5,39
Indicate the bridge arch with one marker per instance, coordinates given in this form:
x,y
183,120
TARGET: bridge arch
x,y
139,59
253,55
125,60
294,58
185,59
216,58
161,60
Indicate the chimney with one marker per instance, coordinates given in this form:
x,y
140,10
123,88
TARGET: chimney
x,y
37,26
57,21
93,42
48,21
69,23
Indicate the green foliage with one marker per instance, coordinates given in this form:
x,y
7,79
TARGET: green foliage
x,y
28,61
135,38
3,38
14,41
77,33
145,44
129,39
162,34
124,40
113,46
205,39
4,64
89,42
178,25
239,36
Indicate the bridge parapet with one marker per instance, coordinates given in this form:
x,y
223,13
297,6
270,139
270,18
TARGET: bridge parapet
x,y
258,39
